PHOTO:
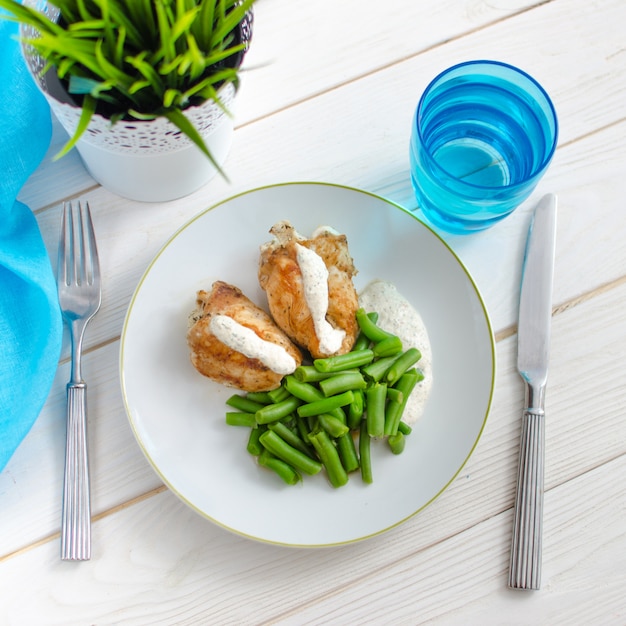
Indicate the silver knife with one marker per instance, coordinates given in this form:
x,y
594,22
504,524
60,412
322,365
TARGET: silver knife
x,y
533,343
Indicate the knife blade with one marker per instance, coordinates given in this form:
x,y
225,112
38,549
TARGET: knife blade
x,y
533,344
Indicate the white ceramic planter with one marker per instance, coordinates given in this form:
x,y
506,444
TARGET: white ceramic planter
x,y
156,176
150,161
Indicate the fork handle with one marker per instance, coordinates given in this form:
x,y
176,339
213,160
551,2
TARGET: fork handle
x,y
76,515
525,563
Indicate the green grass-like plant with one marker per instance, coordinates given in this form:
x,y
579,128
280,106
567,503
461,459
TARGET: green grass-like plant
x,y
139,59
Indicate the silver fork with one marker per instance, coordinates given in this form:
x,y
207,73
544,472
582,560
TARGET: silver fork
x,y
78,284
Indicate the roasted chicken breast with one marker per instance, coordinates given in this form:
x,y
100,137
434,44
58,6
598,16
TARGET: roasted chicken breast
x,y
288,293
237,358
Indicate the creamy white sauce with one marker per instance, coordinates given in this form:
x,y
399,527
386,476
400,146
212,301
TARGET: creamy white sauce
x,y
315,285
397,316
245,340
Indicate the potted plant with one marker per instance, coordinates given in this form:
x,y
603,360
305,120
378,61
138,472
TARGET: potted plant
x,y
143,87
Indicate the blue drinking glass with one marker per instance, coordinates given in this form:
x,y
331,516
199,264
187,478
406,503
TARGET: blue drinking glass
x,y
483,134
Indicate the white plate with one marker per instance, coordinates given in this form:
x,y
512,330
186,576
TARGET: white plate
x,y
177,415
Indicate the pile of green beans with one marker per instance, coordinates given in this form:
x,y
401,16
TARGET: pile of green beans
x,y
325,415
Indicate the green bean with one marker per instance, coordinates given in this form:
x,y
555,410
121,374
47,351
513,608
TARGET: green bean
x,y
388,347
375,397
343,381
300,461
329,457
394,395
363,341
303,429
403,363
394,411
347,453
396,442
312,423
282,469
373,315
278,395
287,435
355,410
339,414
262,397
345,361
370,328
234,418
310,374
254,446
365,454
326,405
404,428
334,427
377,369
265,454
275,412
243,403
305,391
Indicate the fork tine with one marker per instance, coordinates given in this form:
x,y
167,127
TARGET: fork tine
x,y
77,247
78,252
91,264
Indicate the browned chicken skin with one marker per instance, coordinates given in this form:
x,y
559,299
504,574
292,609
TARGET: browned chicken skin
x,y
281,279
223,364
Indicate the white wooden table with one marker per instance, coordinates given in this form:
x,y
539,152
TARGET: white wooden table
x,y
329,97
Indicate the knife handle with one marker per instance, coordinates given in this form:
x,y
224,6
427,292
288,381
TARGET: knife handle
x,y
525,563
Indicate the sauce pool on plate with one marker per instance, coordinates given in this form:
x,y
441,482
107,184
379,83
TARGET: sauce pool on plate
x,y
396,315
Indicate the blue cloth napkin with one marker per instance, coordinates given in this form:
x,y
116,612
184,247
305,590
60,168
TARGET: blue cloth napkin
x,y
30,319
